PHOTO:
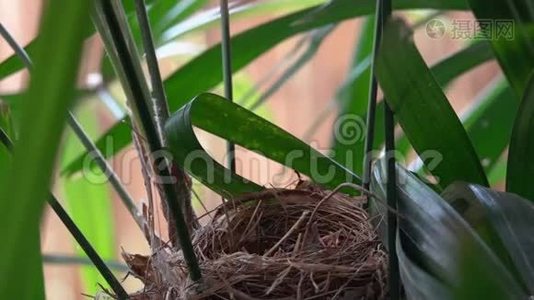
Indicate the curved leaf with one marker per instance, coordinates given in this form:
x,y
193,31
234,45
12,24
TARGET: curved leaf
x,y
441,242
505,220
422,109
244,128
520,169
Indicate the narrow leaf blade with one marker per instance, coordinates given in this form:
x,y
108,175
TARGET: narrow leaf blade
x,y
423,110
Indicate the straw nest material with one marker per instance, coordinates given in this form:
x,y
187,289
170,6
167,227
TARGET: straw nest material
x,y
303,243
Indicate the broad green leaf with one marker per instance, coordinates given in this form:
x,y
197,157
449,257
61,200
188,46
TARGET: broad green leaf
x,y
6,125
438,239
445,71
492,114
182,86
504,220
477,282
89,204
512,28
448,69
52,201
56,65
520,169
423,110
244,128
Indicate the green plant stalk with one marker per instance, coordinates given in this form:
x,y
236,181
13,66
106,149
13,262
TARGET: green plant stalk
x,y
60,259
140,105
161,109
126,198
384,13
226,52
371,106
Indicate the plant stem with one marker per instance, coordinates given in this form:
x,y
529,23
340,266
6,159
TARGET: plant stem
x,y
91,148
140,105
389,125
77,234
227,69
371,107
61,259
158,91
161,112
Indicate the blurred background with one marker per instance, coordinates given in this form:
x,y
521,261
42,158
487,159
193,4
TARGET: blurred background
x,y
306,105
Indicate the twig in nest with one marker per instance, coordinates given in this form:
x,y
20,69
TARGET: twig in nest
x,y
288,233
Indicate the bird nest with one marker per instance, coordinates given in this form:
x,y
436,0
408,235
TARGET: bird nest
x,y
303,243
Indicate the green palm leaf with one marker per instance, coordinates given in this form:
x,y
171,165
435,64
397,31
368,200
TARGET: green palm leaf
x,y
242,127
423,110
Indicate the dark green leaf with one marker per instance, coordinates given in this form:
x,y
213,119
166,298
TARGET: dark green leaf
x,y
520,169
242,127
423,110
504,221
417,283
512,24
438,240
